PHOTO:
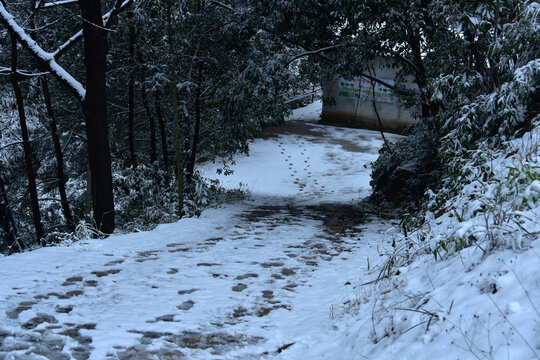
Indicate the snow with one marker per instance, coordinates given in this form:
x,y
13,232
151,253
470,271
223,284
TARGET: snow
x,y
286,274
55,3
43,55
308,163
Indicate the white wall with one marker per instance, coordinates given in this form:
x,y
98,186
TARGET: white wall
x,y
349,102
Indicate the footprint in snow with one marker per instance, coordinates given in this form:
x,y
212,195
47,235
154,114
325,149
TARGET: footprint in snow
x,y
239,287
72,280
23,306
114,262
248,275
63,309
91,283
287,271
38,320
186,305
184,292
106,272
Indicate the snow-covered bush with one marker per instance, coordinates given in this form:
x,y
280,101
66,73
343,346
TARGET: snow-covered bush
x,y
498,206
401,175
143,198
146,197
488,158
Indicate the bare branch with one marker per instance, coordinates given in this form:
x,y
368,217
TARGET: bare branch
x,y
315,52
225,6
44,57
11,144
308,51
7,71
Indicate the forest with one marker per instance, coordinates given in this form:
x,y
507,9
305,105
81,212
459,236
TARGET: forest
x,y
167,190
109,106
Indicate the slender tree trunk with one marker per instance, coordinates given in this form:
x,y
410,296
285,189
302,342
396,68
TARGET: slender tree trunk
x,y
476,58
163,134
59,156
190,169
174,95
151,120
8,223
61,177
533,109
428,109
26,143
379,118
95,114
131,92
179,169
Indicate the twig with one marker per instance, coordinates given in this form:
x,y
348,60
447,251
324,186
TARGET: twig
x,y
513,327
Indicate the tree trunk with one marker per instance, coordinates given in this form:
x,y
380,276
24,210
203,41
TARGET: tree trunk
x,y
151,121
179,169
59,156
131,92
8,223
174,95
26,143
190,169
95,114
61,178
428,110
163,134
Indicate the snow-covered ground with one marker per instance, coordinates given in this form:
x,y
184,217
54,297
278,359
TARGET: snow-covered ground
x,y
285,275
241,281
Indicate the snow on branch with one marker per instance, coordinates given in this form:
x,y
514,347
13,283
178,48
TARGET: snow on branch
x,y
7,71
43,5
43,56
318,52
118,7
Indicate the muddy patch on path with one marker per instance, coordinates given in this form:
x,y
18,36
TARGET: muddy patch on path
x,y
174,346
338,219
294,127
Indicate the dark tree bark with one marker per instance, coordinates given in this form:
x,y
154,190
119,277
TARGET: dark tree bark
x,y
176,113
163,134
61,177
149,114
428,109
95,114
59,156
476,59
131,93
8,223
32,188
190,168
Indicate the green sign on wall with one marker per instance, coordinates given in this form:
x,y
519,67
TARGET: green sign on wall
x,y
362,88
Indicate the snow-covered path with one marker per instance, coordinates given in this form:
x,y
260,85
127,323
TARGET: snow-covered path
x,y
245,281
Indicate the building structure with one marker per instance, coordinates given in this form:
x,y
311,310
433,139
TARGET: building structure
x,y
360,102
